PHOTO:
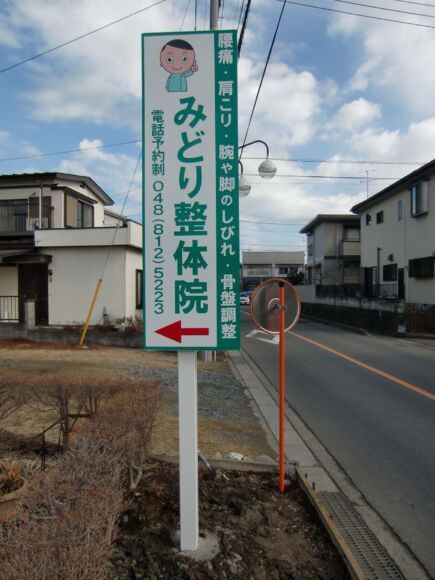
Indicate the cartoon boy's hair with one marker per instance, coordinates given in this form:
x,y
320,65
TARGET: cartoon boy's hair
x,y
178,43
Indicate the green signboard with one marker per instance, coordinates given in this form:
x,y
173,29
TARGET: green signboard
x,y
190,191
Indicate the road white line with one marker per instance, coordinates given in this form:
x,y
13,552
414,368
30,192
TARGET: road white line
x,y
270,338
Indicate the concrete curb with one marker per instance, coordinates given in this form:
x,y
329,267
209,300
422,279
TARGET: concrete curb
x,y
321,472
228,465
351,563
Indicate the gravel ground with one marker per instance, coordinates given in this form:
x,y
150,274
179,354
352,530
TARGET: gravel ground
x,y
226,420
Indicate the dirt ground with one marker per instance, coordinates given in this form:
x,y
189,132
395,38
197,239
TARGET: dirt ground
x,y
226,421
262,534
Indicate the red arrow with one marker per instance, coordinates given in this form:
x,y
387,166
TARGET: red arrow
x,y
175,332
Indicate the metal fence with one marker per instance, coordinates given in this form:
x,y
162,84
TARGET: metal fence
x,y
420,318
375,291
9,309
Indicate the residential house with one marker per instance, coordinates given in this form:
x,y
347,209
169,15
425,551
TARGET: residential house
x,y
333,252
398,239
259,266
57,238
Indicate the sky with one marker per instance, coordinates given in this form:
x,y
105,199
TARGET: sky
x,y
337,88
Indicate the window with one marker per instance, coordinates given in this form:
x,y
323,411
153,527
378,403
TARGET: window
x,y
419,198
380,217
310,244
390,273
283,270
399,210
421,268
139,294
368,218
85,215
351,234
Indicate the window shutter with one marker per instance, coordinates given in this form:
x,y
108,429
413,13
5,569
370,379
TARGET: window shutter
x,y
70,212
33,207
425,196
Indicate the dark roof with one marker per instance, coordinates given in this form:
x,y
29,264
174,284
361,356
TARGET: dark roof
x,y
329,217
31,178
405,182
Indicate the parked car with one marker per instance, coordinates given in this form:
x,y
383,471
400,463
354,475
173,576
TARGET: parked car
x,y
244,299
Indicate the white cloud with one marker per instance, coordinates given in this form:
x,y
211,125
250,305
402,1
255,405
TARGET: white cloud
x,y
352,117
112,171
287,106
97,79
8,37
416,143
398,58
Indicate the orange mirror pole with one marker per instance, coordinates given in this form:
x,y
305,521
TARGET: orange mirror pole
x,y
281,386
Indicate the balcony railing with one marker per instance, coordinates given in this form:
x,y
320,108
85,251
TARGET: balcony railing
x,y
14,217
349,248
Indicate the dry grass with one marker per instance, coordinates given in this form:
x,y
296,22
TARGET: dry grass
x,y
106,362
69,519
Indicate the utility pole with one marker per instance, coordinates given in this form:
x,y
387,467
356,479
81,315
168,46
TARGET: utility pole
x,y
214,14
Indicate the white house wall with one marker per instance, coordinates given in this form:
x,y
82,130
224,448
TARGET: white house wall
x,y
83,190
133,263
412,237
75,273
81,237
8,281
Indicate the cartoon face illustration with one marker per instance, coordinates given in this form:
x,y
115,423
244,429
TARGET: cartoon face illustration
x,y
177,57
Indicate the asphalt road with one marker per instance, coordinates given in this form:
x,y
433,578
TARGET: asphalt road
x,y
376,418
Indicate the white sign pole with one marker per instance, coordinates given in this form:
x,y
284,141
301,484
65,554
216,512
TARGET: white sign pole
x,y
188,430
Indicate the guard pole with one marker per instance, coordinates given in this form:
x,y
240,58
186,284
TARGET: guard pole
x,y
188,430
88,319
281,386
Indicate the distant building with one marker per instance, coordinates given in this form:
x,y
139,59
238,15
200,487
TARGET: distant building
x,y
259,266
398,239
55,236
333,250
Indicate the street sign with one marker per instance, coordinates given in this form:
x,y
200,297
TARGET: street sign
x,y
265,305
190,191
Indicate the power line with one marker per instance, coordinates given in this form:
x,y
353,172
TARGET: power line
x,y
222,11
355,14
271,223
269,245
185,13
242,31
288,159
357,162
416,3
53,153
328,176
205,14
263,74
122,213
386,9
236,11
35,56
240,16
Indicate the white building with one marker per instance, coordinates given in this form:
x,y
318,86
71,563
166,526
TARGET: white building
x,y
398,238
57,238
333,250
259,266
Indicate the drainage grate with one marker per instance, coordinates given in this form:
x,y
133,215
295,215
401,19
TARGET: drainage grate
x,y
369,553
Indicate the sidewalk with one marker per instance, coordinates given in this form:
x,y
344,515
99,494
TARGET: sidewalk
x,y
375,549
